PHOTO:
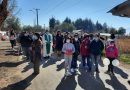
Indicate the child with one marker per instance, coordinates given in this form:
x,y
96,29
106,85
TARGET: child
x,y
85,52
68,49
111,54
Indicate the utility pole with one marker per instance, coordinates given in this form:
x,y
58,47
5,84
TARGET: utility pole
x,y
37,13
44,27
37,16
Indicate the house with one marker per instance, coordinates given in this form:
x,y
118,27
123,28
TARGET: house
x,y
122,10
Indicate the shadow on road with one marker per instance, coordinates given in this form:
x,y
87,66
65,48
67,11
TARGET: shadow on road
x,y
51,61
121,72
114,82
87,81
68,83
22,85
11,64
61,66
28,67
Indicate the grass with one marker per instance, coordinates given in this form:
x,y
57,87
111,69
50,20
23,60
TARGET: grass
x,y
125,58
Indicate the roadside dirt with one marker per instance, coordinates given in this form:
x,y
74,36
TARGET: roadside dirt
x,y
9,66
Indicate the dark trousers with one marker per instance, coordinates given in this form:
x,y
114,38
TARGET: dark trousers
x,y
27,53
95,59
89,63
13,43
110,66
74,61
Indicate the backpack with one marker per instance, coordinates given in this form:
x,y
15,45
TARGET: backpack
x,y
111,51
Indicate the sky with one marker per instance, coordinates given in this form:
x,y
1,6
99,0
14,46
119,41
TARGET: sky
x,y
60,9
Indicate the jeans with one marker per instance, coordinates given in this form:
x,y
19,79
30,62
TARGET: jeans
x,y
68,60
27,52
89,63
95,59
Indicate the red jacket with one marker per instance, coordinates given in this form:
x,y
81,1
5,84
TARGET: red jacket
x,y
111,51
85,47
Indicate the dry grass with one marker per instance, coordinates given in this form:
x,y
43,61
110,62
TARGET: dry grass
x,y
124,45
124,48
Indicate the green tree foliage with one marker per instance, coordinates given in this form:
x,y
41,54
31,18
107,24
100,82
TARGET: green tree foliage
x,y
85,25
113,30
121,31
99,27
67,20
33,28
12,22
66,27
52,23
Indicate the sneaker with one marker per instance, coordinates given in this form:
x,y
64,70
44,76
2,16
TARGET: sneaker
x,y
76,70
72,70
129,82
107,72
35,73
68,74
112,73
97,71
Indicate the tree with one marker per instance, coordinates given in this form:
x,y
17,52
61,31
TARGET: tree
x,y
6,9
32,28
52,23
121,31
98,26
78,24
112,30
66,27
12,22
105,28
67,20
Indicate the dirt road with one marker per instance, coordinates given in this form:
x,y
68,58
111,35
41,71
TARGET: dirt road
x,y
51,77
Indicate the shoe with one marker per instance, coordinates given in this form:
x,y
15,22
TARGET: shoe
x,y
72,70
112,73
107,72
97,71
35,73
129,81
76,70
68,74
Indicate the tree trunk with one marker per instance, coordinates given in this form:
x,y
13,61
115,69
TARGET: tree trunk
x,y
3,11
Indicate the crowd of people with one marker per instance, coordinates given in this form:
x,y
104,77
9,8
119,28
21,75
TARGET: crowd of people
x,y
39,46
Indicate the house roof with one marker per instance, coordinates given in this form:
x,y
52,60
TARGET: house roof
x,y
122,10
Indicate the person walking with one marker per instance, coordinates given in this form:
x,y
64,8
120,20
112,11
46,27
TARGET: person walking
x,y
47,44
96,48
85,52
37,49
112,54
76,43
26,44
68,50
59,43
12,39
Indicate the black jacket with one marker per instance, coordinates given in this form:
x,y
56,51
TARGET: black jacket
x,y
77,47
96,47
26,41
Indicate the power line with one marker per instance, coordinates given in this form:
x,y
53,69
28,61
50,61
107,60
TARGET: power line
x,y
73,5
57,5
